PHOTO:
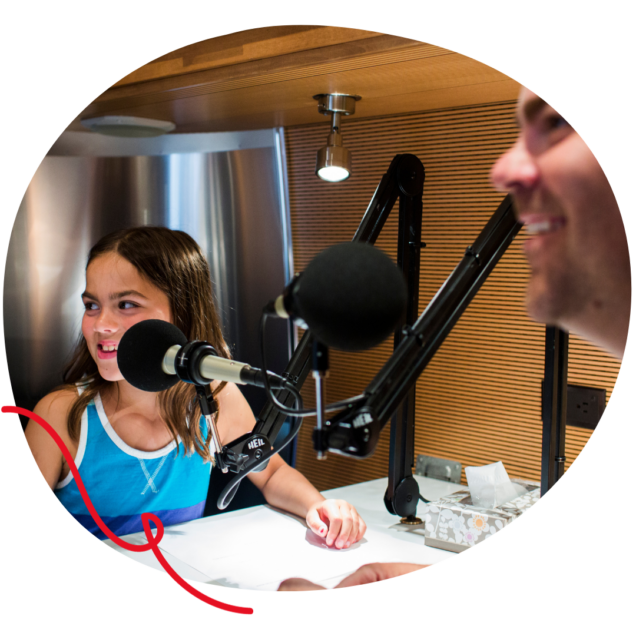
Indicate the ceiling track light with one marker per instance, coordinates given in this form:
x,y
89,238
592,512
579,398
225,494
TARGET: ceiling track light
x,y
333,162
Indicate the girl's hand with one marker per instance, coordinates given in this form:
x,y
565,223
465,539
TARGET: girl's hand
x,y
336,521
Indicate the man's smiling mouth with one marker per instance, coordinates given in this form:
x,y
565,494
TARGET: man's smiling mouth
x,y
543,226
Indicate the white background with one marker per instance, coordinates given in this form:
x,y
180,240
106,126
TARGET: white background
x,y
565,567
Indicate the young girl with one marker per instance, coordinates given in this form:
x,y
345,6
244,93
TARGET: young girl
x,y
135,451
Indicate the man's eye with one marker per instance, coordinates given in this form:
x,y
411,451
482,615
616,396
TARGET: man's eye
x,y
555,122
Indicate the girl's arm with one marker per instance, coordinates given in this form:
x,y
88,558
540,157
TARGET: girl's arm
x,y
335,520
54,409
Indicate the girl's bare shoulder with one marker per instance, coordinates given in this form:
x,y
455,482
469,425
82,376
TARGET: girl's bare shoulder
x,y
55,407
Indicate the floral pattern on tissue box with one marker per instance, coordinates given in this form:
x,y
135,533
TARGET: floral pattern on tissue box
x,y
453,519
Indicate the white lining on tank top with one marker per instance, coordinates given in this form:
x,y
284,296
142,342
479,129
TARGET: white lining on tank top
x,y
110,431
119,442
81,447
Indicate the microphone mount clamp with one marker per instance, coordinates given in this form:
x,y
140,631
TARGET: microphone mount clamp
x,y
243,453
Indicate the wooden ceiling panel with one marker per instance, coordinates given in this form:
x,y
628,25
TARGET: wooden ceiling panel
x,y
378,50
245,46
267,77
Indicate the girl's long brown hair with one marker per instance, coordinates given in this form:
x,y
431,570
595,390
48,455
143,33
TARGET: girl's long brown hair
x,y
172,261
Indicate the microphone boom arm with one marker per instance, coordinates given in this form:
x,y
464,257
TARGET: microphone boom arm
x,y
405,179
355,431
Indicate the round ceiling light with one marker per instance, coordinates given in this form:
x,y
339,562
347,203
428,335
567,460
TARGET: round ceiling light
x,y
333,173
333,162
122,126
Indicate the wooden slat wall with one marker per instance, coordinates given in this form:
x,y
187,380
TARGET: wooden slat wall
x,y
479,400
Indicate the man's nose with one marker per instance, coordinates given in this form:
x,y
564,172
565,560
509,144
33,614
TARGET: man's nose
x,y
515,170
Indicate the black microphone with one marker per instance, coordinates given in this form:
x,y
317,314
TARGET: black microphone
x,y
154,355
351,297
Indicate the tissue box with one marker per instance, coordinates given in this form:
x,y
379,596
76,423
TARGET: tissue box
x,y
454,524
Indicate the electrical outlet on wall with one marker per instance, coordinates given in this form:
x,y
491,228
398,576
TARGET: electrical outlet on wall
x,y
585,406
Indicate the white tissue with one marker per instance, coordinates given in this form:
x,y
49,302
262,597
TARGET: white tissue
x,y
490,485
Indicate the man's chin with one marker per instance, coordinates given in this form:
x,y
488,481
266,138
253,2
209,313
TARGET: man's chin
x,y
542,307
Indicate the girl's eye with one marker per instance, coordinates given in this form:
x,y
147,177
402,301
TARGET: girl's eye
x,y
90,306
126,304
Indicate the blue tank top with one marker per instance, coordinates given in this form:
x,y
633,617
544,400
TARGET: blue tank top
x,y
123,482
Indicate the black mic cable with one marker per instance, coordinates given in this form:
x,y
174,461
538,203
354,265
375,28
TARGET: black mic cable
x,y
300,412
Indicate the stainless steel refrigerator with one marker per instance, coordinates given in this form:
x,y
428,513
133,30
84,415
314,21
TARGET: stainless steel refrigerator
x,y
227,190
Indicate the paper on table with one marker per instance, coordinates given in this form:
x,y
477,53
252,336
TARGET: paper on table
x,y
261,547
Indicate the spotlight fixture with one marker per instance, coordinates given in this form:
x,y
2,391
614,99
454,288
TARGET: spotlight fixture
x,y
121,126
333,162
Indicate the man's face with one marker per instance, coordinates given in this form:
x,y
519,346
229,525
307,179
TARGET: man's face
x,y
576,245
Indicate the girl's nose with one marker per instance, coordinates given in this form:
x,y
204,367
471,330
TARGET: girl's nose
x,y
515,170
106,322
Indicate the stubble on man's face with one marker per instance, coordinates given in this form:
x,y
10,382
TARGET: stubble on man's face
x,y
568,268
576,245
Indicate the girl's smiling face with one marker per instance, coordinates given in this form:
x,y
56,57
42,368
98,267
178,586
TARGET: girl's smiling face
x,y
116,298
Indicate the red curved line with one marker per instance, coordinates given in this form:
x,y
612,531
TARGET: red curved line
x,y
153,541
80,484
148,516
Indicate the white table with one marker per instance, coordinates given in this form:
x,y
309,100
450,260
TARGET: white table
x,y
258,547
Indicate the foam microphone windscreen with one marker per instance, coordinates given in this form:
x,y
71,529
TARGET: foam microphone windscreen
x,y
141,351
352,296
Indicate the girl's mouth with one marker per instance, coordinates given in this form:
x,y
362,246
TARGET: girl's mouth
x,y
106,351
